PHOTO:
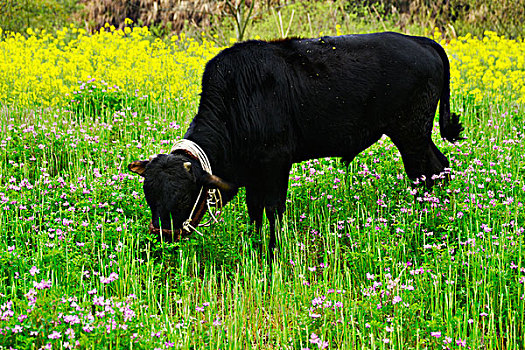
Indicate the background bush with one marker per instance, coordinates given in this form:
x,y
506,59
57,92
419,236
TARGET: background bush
x,y
272,17
18,15
504,17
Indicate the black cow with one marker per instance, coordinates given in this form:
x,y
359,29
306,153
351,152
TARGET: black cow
x,y
267,105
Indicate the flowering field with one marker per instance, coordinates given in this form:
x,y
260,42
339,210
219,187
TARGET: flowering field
x,y
366,260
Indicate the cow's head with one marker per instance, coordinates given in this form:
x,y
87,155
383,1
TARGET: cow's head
x,y
172,183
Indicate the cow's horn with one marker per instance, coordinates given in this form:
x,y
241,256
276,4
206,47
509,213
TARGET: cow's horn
x,y
213,181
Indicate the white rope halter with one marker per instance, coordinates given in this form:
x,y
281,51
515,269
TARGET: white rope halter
x,y
214,195
196,150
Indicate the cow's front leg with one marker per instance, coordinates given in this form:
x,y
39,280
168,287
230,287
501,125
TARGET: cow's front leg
x,y
275,200
268,191
255,204
274,213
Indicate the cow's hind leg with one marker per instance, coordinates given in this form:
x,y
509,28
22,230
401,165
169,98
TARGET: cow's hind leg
x,y
411,133
420,156
444,161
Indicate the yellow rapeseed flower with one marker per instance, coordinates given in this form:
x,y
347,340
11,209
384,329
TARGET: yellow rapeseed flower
x,y
47,70
492,68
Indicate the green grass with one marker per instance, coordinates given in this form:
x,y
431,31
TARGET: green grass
x,y
366,260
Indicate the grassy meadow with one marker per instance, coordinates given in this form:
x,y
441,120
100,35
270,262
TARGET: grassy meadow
x,y
366,259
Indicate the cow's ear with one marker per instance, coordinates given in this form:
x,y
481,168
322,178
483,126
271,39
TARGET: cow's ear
x,y
213,181
138,166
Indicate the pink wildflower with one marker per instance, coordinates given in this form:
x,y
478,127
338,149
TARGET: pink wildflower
x,y
54,335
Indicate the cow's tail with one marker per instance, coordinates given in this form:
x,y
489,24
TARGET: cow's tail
x,y
449,125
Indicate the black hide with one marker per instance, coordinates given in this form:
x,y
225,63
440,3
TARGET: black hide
x,y
267,105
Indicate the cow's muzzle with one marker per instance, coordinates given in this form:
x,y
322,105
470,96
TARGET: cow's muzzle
x,y
168,235
193,221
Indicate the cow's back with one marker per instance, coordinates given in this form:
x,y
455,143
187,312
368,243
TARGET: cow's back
x,y
317,97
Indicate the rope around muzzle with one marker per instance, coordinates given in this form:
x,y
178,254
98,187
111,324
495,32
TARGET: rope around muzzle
x,y
213,196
